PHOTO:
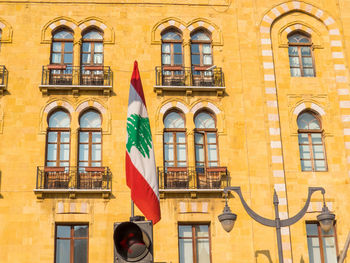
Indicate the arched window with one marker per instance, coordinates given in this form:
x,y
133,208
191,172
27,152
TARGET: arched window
x,y
201,53
92,48
205,139
300,55
172,54
175,152
311,145
62,47
58,139
90,139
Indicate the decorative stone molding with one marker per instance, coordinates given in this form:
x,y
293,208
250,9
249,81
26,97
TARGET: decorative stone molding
x,y
6,32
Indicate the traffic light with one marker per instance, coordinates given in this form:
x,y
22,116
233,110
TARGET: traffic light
x,y
133,242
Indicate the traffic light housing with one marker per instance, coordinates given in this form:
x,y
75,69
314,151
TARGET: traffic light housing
x,y
133,242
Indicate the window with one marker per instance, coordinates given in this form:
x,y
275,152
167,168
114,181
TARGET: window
x,y
205,139
194,244
201,54
92,48
300,55
71,244
90,140
172,48
174,140
62,47
322,246
58,139
311,145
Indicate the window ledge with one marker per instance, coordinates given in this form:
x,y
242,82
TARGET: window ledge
x,y
45,89
192,192
41,193
189,89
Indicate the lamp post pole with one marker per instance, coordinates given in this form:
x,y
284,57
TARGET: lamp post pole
x,y
227,218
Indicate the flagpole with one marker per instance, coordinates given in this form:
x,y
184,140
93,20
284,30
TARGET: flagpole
x,y
132,208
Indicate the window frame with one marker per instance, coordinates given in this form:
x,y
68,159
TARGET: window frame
x,y
309,132
200,44
204,132
72,238
300,56
174,131
194,238
172,53
62,41
92,52
320,238
58,143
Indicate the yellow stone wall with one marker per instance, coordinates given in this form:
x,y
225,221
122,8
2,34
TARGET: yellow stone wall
x,y
249,43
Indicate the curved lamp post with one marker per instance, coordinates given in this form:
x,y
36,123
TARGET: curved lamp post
x,y
227,218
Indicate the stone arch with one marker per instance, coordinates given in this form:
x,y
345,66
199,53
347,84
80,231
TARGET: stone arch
x,y
6,31
46,32
303,27
108,36
164,107
163,24
211,27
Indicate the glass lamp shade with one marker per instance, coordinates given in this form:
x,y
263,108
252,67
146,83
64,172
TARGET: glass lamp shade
x,y
227,219
326,219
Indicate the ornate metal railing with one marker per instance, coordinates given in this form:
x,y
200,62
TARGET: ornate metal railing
x,y
70,75
73,178
3,75
193,177
195,76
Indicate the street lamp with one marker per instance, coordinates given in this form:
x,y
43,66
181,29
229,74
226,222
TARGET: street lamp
x,y
227,218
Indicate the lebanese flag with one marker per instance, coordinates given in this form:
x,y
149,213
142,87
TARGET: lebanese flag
x,y
140,165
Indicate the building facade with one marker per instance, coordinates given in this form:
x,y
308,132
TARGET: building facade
x,y
239,93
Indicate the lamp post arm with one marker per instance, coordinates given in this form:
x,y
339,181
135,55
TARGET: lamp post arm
x,y
298,216
251,213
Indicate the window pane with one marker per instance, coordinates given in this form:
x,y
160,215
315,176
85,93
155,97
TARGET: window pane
x,y
185,231
306,165
171,35
65,136
308,121
50,163
80,251
177,59
86,47
329,250
295,72
311,230
307,61
90,119
96,164
203,255
68,58
96,137
199,153
200,36
293,51
98,58
56,46
305,51
194,48
56,58
174,120
68,47
294,61
83,152
177,48
86,58
80,231
96,152
202,230
198,138
166,48
309,72
320,165
63,35
59,119
304,152
207,60
204,120
318,151
181,153
180,137
303,138
168,137
166,59
99,47
51,152
64,152
52,137
93,34
169,152
63,231
84,137
314,250
195,60
186,251
206,49
212,153
211,137
63,251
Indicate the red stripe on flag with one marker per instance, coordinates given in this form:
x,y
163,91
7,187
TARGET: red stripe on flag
x,y
141,192
136,82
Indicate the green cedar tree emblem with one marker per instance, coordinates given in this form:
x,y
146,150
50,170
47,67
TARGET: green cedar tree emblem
x,y
139,134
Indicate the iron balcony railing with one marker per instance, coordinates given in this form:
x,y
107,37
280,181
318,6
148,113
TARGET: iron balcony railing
x,y
72,75
193,177
194,76
73,178
3,75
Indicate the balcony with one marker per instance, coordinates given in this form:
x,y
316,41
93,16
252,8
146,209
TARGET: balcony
x,y
73,180
193,179
75,79
179,78
3,79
